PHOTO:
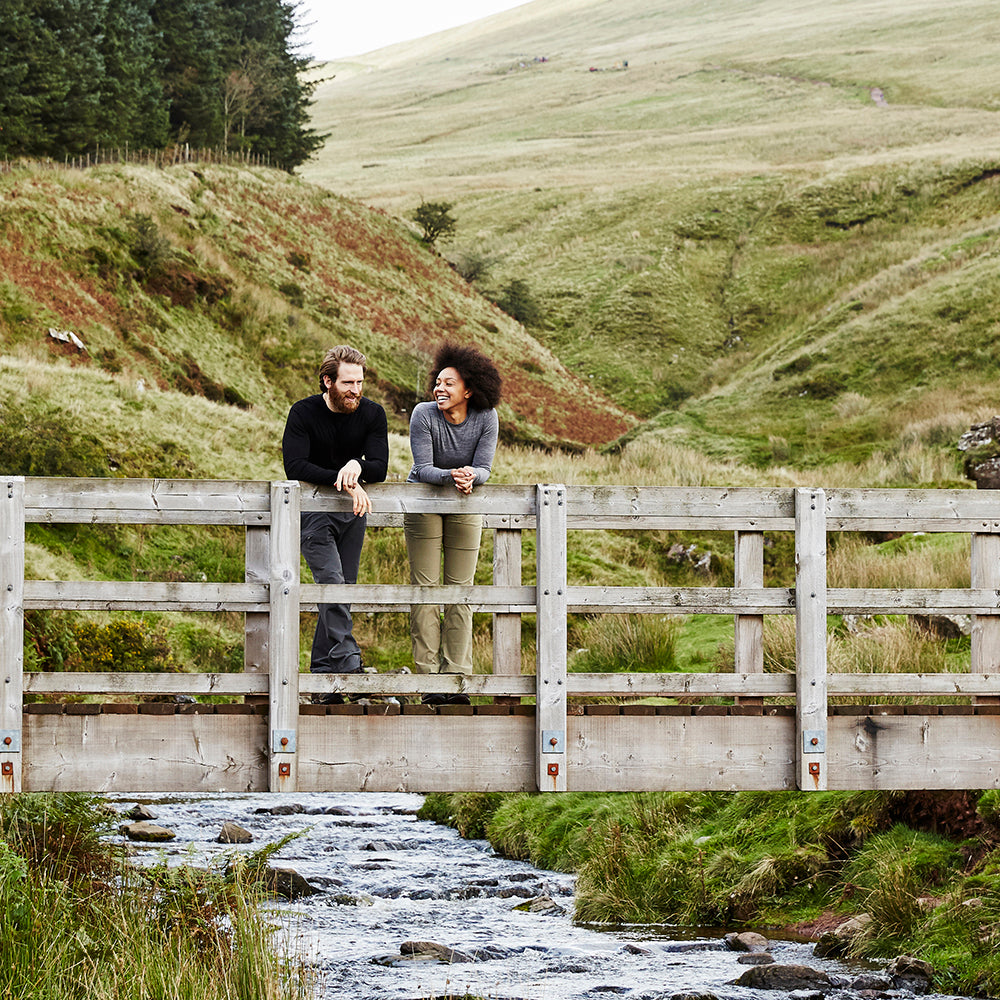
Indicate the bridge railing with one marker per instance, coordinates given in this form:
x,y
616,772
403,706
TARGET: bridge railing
x,y
803,747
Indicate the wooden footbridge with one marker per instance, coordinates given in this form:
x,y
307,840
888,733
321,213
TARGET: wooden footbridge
x,y
551,730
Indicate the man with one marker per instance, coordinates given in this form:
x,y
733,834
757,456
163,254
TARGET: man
x,y
336,438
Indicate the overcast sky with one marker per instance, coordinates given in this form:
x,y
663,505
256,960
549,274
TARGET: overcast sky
x,y
332,30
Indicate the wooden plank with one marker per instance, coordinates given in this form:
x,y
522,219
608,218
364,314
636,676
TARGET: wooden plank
x,y
135,595
916,685
679,684
748,633
707,753
409,498
810,639
752,508
11,631
974,600
166,501
919,510
391,596
550,698
682,600
476,685
60,682
506,626
417,753
283,636
985,572
913,752
145,753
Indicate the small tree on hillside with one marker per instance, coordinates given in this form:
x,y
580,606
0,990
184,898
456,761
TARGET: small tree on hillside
x,y
435,220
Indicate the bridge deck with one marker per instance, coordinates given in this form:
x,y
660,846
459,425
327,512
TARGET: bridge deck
x,y
551,730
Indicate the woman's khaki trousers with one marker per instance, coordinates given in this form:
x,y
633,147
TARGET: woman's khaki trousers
x,y
442,647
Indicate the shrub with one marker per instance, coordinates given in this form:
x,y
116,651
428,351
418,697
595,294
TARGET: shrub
x,y
150,249
517,300
435,220
47,444
122,644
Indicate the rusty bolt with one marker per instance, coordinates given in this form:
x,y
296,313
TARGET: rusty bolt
x,y
553,742
7,741
7,767
284,770
814,768
553,770
284,741
814,741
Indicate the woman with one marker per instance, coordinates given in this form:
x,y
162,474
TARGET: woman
x,y
453,440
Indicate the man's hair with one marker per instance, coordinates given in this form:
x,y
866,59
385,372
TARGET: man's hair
x,y
478,373
335,357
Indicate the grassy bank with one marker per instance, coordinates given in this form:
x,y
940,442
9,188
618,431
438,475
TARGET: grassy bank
x,y
80,921
924,865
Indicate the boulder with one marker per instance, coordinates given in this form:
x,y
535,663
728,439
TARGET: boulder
x,y
746,941
981,444
431,950
909,973
140,812
837,941
149,832
785,978
756,958
233,833
287,883
541,904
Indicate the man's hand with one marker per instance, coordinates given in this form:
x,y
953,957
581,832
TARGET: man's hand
x,y
464,478
362,502
349,475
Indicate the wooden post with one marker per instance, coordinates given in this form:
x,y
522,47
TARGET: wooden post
x,y
986,628
810,639
11,631
256,623
749,645
507,627
550,710
283,636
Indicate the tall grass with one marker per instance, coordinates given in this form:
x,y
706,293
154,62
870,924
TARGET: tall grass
x,y
79,920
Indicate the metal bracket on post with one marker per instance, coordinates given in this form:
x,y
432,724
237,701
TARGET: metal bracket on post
x,y
283,741
553,741
10,740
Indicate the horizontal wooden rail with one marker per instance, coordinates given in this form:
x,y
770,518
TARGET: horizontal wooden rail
x,y
779,730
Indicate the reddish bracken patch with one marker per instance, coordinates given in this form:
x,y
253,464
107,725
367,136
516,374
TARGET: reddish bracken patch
x,y
573,413
77,302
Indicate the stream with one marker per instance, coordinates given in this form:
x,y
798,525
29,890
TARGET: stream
x,y
387,878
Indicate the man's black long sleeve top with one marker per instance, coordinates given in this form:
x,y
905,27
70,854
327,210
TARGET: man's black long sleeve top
x,y
318,443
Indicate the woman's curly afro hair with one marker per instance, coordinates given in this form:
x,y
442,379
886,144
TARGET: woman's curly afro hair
x,y
478,373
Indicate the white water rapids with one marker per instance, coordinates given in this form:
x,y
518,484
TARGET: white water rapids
x,y
388,877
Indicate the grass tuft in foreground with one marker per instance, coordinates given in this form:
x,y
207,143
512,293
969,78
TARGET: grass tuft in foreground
x,y
80,921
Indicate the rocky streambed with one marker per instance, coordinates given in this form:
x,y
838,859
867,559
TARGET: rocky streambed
x,y
388,907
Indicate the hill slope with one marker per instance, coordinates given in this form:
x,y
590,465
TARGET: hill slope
x,y
204,299
776,231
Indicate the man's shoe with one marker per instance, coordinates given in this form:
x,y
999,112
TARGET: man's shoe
x,y
445,699
327,699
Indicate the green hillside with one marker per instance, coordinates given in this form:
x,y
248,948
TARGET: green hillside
x,y
774,233
204,298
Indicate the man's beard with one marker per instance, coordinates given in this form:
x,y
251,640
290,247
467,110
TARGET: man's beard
x,y
340,402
